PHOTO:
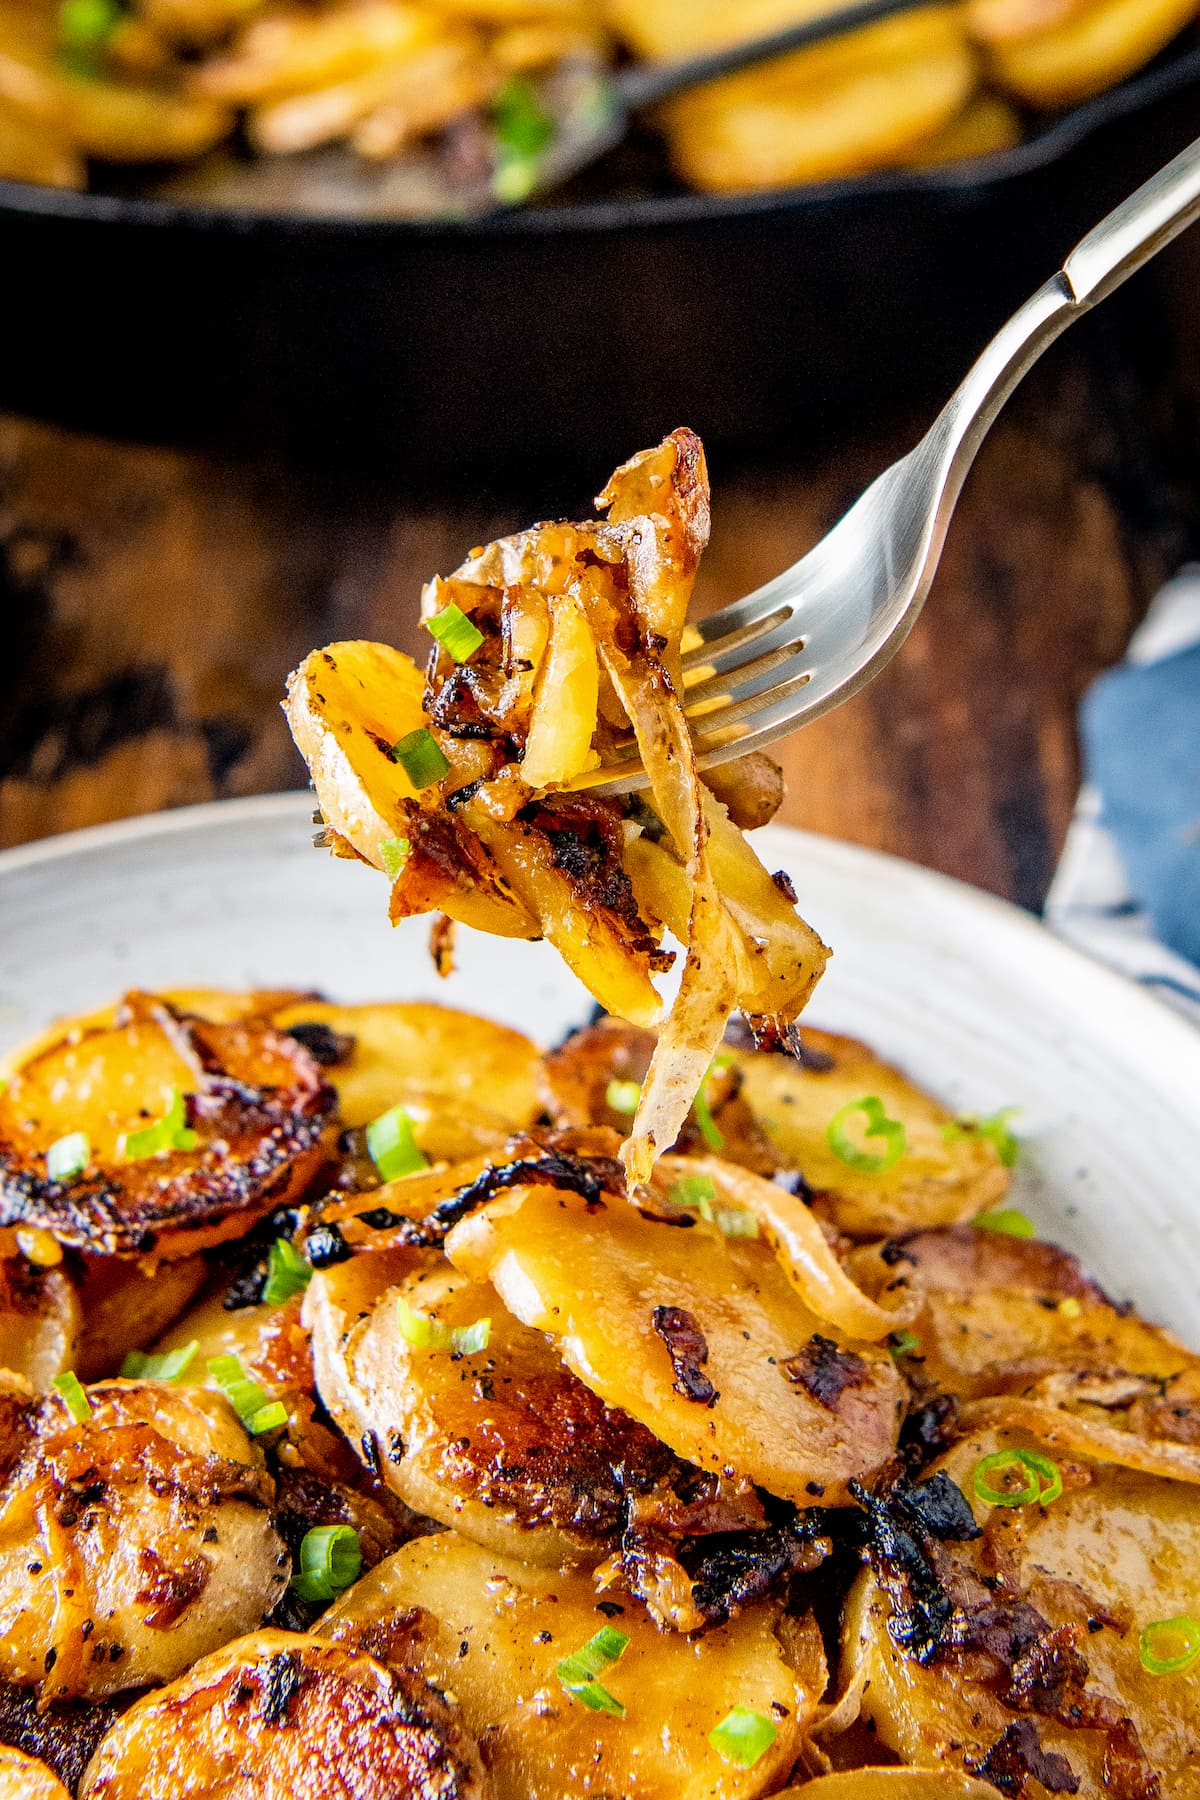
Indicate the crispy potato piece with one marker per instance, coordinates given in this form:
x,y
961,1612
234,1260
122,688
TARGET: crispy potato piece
x,y
893,1784
29,151
986,125
117,122
422,92
750,788
256,1103
462,1079
39,1321
1087,52
110,1573
935,1182
24,1778
1116,1551
700,1338
296,52
126,1306
518,1623
506,1445
285,1716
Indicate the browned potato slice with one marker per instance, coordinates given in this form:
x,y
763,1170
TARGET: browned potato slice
x,y
987,124
465,1082
32,151
935,1182
120,123
126,1306
506,1445
132,1542
699,1337
893,1784
39,1321
284,1716
494,1631
24,1778
255,1101
1088,51
1050,1605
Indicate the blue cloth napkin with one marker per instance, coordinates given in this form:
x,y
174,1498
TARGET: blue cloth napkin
x,y
1128,886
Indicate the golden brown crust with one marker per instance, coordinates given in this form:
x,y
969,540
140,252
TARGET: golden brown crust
x,y
284,1716
254,1097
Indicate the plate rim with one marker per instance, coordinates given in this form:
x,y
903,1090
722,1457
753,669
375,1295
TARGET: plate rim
x,y
1149,1011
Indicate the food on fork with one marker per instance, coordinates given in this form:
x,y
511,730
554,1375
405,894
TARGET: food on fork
x,y
471,788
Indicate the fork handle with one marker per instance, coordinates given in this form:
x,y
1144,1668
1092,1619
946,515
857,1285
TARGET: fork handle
x,y
1136,230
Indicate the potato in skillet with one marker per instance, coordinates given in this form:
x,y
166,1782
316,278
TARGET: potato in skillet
x,y
24,1778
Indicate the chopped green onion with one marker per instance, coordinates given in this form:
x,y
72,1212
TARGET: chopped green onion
x,y
425,1333
730,1221
994,1128
877,1125
1170,1646
287,1273
623,1096
392,1146
253,1406
710,1131
743,1736
172,1365
74,1398
171,1132
523,129
68,1156
330,1561
1042,1481
903,1343
456,634
85,29
393,853
578,1673
420,756
1008,1222
693,1190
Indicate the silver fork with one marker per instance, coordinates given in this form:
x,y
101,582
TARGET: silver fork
x,y
814,635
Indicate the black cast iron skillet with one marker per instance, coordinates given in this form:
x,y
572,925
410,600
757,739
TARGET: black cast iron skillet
x,y
567,334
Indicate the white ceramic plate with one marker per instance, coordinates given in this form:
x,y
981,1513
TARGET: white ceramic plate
x,y
972,997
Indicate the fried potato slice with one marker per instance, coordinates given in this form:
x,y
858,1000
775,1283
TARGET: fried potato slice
x,y
256,1107
506,1445
127,1305
700,1338
517,1623
937,1181
986,125
24,1778
1048,1606
893,1784
29,151
285,1716
40,1321
1085,53
461,1079
110,1573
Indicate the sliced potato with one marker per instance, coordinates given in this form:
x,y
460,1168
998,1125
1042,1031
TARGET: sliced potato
x,y
935,1182
699,1337
285,1716
494,1630
25,1778
986,125
506,1444
130,1542
465,1082
39,1321
127,1306
30,150
893,1784
1088,51
1117,1551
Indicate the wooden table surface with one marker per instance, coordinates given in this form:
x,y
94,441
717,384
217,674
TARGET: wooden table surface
x,y
157,598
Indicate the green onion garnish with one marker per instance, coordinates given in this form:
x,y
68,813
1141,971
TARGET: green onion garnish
x,y
994,1128
1008,1222
623,1096
425,1333
85,28
578,1673
392,1146
730,1221
68,1156
330,1561
252,1404
287,1273
74,1398
393,853
877,1125
693,1190
172,1365
903,1343
710,1131
1042,1479
171,1132
523,128
456,634
1170,1646
743,1736
421,758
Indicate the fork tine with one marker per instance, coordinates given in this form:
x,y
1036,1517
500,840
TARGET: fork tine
x,y
724,648
707,684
